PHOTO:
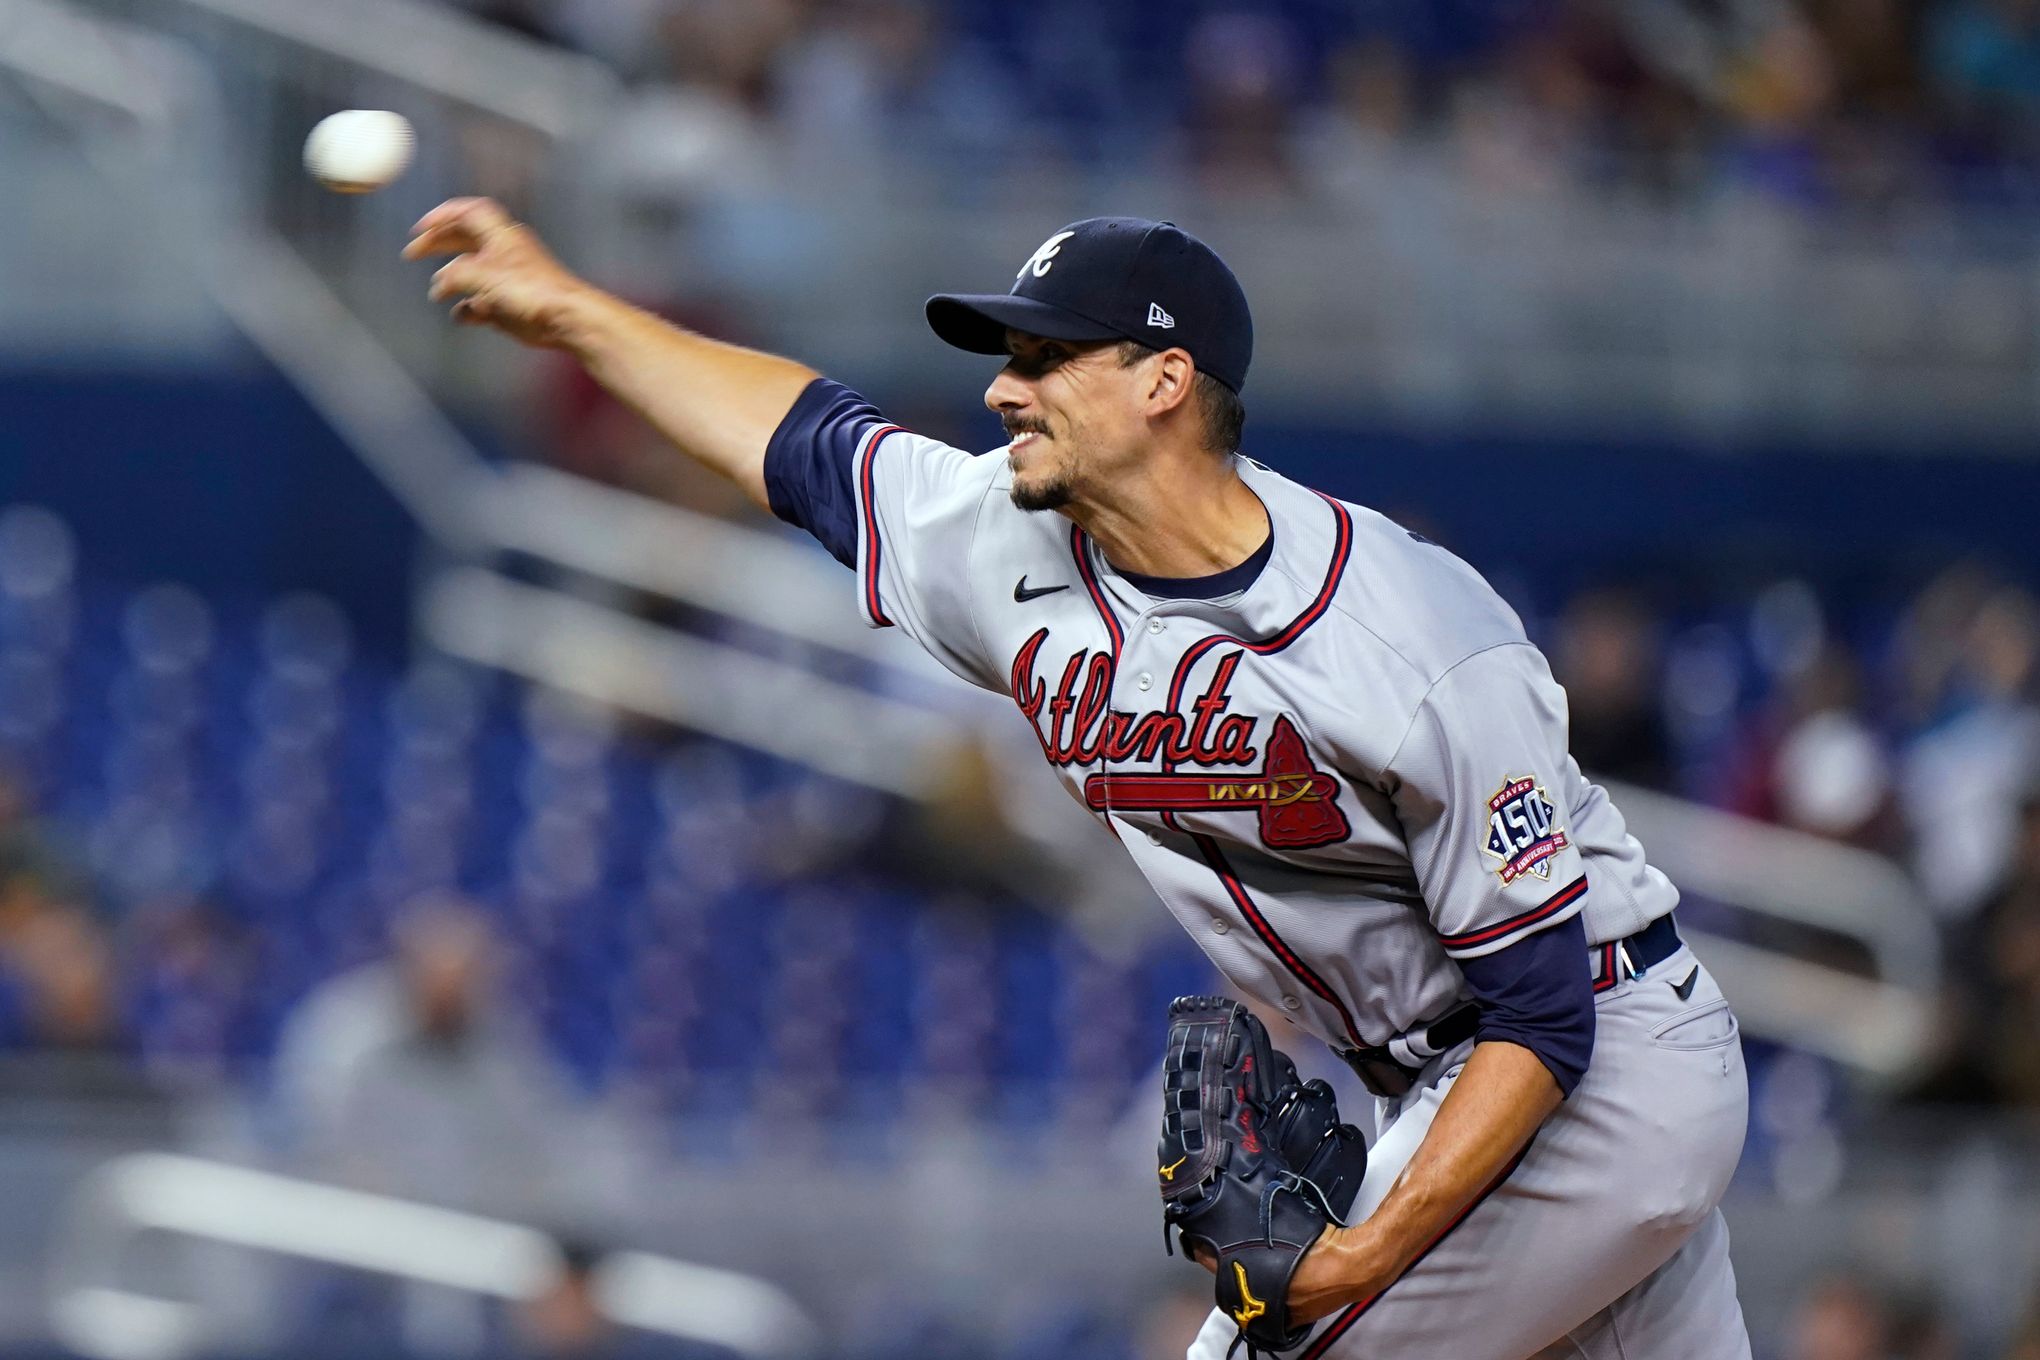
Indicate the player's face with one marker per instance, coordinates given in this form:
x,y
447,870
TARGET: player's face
x,y
1068,408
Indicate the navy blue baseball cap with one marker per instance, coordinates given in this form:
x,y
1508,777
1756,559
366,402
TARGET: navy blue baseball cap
x,y
1114,278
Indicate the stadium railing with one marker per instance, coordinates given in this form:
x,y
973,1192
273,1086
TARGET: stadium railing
x,y
98,1312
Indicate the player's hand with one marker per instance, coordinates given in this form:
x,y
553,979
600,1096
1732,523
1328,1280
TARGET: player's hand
x,y
501,275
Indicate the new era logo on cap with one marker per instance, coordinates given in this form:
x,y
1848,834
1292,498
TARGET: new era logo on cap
x,y
1086,283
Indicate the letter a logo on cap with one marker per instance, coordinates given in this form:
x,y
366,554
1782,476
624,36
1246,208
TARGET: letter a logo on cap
x,y
1043,258
1158,317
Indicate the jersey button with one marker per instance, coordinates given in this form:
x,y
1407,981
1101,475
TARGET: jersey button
x,y
1156,625
1219,925
1153,839
1145,681
1290,1003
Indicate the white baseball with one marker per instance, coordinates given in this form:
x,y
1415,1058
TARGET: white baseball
x,y
358,151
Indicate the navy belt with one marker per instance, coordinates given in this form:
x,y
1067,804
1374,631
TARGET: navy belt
x,y
1390,1069
1641,952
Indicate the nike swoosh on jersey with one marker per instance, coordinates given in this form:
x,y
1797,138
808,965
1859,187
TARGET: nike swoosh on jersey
x,y
1685,989
1021,593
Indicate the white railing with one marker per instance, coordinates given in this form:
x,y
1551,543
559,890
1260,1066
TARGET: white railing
x,y
1881,1023
99,1314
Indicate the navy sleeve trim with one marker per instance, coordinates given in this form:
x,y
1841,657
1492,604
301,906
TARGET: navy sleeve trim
x,y
810,464
1539,993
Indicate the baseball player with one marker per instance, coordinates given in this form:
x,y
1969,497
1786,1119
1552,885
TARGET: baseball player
x,y
1324,739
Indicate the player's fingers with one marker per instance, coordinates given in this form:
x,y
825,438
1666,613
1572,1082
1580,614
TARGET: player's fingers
x,y
459,224
480,213
437,241
456,278
449,238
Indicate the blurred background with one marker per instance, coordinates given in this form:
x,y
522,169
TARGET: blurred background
x,y
469,888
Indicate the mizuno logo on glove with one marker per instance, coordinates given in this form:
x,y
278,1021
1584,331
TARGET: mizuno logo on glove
x,y
1250,1307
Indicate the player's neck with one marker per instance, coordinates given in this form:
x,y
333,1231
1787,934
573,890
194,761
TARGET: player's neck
x,y
1194,524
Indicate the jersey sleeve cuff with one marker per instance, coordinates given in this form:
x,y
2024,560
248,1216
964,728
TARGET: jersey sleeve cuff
x,y
871,545
1538,994
1562,905
810,464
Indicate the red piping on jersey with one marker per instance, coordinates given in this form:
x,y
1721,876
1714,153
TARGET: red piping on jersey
x,y
1342,550
1354,1312
866,489
1090,579
1340,553
1238,892
1551,906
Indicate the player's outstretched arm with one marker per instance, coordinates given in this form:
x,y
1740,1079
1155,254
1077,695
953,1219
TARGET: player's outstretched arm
x,y
716,402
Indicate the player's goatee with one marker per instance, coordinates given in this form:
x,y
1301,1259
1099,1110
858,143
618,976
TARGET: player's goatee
x,y
1050,496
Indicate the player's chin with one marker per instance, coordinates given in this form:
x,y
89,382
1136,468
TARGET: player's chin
x,y
1039,492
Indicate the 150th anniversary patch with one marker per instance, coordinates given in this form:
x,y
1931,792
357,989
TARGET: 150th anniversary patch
x,y
1523,830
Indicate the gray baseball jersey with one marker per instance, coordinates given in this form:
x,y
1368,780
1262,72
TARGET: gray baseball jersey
x,y
1339,782
1347,778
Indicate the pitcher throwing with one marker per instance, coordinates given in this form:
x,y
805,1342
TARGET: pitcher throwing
x,y
1329,746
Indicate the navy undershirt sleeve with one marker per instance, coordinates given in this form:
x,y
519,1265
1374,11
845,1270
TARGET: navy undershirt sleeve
x,y
810,464
1538,993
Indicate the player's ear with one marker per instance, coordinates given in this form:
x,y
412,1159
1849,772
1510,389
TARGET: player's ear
x,y
1171,378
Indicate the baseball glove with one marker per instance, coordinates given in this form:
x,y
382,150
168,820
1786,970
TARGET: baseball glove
x,y
1253,1162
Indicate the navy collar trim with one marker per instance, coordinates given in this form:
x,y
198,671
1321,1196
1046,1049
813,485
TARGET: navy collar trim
x,y
1228,582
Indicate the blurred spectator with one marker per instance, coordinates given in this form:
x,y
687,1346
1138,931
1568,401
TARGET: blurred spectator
x,y
700,127
1993,1054
1781,92
56,985
870,76
1840,1318
1973,650
1856,1317
56,961
1361,142
1606,656
1921,1331
410,1078
1242,73
565,1321
1815,764
1814,103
